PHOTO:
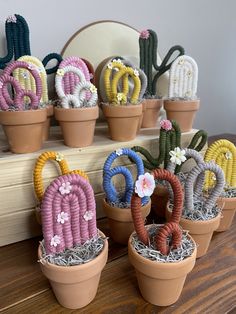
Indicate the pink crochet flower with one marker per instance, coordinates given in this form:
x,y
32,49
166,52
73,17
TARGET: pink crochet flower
x,y
144,34
166,125
145,185
11,19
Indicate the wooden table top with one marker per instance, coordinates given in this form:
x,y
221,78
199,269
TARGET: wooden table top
x,y
209,288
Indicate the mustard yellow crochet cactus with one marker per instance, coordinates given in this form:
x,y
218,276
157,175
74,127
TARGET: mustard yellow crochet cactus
x,y
111,83
223,153
38,169
27,81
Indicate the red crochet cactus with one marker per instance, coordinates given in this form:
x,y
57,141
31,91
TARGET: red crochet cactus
x,y
169,229
68,213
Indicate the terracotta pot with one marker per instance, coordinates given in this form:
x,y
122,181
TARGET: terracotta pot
x,y
201,231
159,200
152,109
121,222
122,121
182,111
24,129
75,286
160,283
228,206
141,118
46,128
77,125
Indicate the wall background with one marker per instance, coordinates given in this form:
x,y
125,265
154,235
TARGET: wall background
x,y
206,29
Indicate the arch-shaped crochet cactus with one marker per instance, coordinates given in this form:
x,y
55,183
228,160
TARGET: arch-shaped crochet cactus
x,y
169,229
70,78
48,58
170,137
223,153
39,166
17,103
36,83
28,82
80,92
148,44
108,173
68,213
194,186
183,78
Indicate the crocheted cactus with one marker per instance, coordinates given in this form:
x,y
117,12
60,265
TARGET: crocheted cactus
x,y
183,78
39,166
194,185
111,83
18,43
170,137
170,229
68,213
112,195
148,44
70,78
80,97
223,153
27,81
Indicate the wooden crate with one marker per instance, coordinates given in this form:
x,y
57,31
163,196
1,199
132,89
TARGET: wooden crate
x,y
17,199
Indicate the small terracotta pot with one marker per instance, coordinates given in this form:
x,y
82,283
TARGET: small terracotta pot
x,y
159,200
75,286
46,129
121,222
24,129
141,118
160,283
228,206
77,125
201,231
122,121
152,109
182,111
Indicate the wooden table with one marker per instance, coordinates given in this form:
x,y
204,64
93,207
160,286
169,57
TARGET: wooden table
x,y
209,288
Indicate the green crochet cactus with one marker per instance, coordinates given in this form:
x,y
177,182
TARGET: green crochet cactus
x,y
148,44
170,137
18,43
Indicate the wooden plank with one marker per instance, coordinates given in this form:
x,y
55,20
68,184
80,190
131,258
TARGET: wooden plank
x,y
209,288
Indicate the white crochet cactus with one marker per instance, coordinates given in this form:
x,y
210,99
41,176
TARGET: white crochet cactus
x,y
183,78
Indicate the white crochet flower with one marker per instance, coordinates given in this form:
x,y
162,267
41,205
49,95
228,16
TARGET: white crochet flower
x,y
136,72
228,155
25,75
62,217
55,241
31,66
65,188
93,88
88,215
60,72
117,61
119,151
59,157
109,65
11,19
177,156
145,185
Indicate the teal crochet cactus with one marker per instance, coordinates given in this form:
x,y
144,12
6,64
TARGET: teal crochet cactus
x,y
18,43
148,44
170,138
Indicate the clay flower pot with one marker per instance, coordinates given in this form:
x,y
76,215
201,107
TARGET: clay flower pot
x,y
46,129
122,121
141,118
160,283
182,111
77,125
228,211
160,199
75,286
121,222
151,112
24,129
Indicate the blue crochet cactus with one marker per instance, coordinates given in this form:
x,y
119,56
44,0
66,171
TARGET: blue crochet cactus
x,y
112,195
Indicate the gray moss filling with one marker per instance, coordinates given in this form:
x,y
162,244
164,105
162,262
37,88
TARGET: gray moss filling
x,y
228,192
176,255
79,254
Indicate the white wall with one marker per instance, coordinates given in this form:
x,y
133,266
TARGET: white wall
x,y
207,30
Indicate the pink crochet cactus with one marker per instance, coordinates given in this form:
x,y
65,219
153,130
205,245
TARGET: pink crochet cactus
x,y
18,101
70,80
68,213
29,67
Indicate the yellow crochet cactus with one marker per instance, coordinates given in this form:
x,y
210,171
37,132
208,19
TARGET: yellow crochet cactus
x,y
26,79
38,169
108,79
137,84
223,153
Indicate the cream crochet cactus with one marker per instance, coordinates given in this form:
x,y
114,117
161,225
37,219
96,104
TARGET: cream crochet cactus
x,y
183,78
